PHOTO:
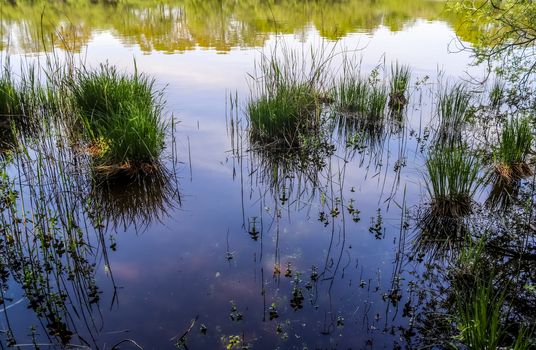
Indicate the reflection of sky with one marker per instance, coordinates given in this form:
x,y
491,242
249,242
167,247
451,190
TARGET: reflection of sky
x,y
177,270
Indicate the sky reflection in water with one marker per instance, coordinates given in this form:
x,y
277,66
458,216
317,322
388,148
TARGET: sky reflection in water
x,y
201,259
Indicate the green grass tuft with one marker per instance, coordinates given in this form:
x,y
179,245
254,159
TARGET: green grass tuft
x,y
352,95
121,114
400,77
453,178
10,97
453,108
286,113
286,96
510,155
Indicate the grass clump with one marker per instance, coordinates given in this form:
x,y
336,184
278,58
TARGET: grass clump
x,y
453,108
453,178
358,97
282,115
510,155
121,114
400,77
286,96
10,97
352,95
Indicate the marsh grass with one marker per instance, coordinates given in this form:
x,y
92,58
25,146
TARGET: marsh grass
x,y
358,97
286,95
351,95
281,117
11,104
453,110
510,157
451,182
122,116
479,314
478,317
399,83
359,109
20,103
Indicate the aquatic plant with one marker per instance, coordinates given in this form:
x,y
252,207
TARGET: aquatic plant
x,y
10,97
286,95
359,107
453,108
357,97
453,178
479,317
376,102
510,156
351,94
399,83
121,115
281,116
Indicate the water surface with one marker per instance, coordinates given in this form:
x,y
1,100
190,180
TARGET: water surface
x,y
221,245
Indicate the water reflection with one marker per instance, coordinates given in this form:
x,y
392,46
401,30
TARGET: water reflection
x,y
138,201
49,259
180,25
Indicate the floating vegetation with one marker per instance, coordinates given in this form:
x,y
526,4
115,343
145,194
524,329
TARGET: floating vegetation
x,y
399,83
452,108
122,118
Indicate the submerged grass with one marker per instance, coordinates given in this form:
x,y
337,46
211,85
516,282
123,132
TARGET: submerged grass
x,y
121,114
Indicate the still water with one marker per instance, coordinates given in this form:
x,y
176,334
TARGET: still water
x,y
229,247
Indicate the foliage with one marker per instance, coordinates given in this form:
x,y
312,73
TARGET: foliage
x,y
504,37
